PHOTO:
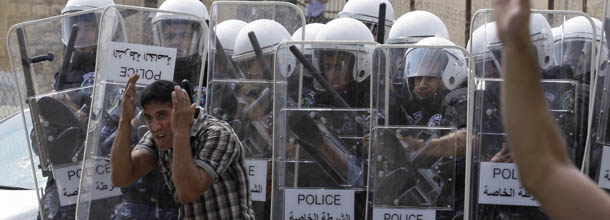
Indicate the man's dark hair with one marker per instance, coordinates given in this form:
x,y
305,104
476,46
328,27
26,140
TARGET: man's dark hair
x,y
158,91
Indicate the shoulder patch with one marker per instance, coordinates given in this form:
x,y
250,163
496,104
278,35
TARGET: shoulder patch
x,y
88,79
417,116
435,120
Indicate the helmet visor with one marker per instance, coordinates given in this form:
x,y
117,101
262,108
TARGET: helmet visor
x,y
87,29
336,66
487,68
253,69
430,62
184,35
574,53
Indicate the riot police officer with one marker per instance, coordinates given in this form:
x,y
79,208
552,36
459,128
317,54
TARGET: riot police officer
x,y
436,80
431,74
68,143
253,117
345,66
487,52
184,34
409,29
574,41
573,52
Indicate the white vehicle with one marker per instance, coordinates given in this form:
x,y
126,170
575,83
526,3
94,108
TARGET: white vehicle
x,y
17,184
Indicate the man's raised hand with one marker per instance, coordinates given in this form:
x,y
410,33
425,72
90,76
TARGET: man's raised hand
x,y
128,105
182,110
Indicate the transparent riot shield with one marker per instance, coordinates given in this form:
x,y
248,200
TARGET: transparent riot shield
x,y
321,116
54,63
148,51
419,135
597,161
495,190
241,82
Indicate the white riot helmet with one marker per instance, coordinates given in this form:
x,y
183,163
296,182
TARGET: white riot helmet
x,y
348,30
311,31
88,23
573,41
269,34
182,32
367,11
446,63
226,32
485,64
81,5
416,25
542,39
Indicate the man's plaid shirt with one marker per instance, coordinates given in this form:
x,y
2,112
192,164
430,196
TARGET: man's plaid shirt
x,y
216,149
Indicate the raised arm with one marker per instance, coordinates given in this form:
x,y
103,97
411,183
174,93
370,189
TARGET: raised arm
x,y
127,166
538,148
190,180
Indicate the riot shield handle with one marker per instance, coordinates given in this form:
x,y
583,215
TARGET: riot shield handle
x,y
381,23
41,58
67,58
318,76
259,53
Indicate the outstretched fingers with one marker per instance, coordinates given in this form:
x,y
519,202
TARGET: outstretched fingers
x,y
130,90
182,110
180,97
